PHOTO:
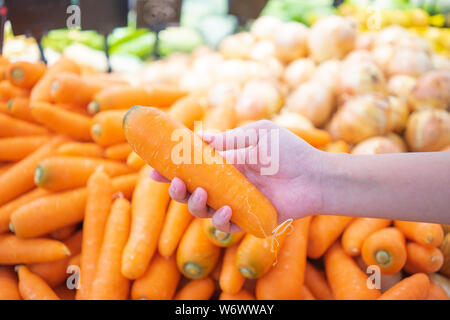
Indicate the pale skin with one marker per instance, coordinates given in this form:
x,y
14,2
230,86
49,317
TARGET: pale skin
x,y
402,186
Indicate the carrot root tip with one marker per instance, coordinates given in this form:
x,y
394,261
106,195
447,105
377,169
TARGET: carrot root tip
x,y
55,86
124,120
17,74
67,251
11,227
246,272
221,236
193,270
382,257
93,107
9,104
39,175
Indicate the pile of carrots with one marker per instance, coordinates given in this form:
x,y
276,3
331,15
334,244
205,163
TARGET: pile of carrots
x,y
80,217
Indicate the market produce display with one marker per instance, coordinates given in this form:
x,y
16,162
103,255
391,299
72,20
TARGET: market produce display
x,y
75,157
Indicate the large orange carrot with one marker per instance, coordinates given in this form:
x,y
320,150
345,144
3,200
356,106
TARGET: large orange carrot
x,y
220,238
177,220
346,279
15,250
355,234
81,149
251,210
150,199
32,287
436,292
415,287
241,295
98,206
386,249
9,91
55,272
196,255
428,234
125,96
199,289
134,161
255,256
107,128
109,283
423,259
118,152
159,282
41,90
20,108
7,209
188,109
25,74
17,148
316,283
230,280
9,287
284,281
63,121
55,211
10,127
62,173
323,231
19,178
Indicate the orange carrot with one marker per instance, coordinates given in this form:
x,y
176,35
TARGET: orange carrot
x,y
41,90
81,149
118,152
306,294
423,259
64,293
64,232
9,287
251,210
20,108
15,250
428,234
150,199
323,231
284,281
17,148
159,282
5,167
98,206
109,283
220,238
107,129
62,121
188,109
346,279
54,273
415,287
125,96
10,127
215,273
177,220
196,255
134,161
315,137
316,283
230,280
255,256
32,287
386,249
241,295
55,211
75,260
339,146
19,178
9,91
199,289
436,292
62,173
25,74
355,234
7,209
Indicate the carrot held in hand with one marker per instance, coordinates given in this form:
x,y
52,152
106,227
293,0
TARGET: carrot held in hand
x,y
177,220
118,152
10,127
414,287
62,173
347,280
423,259
316,283
32,287
159,282
251,210
107,128
81,149
63,121
15,250
9,287
284,281
428,234
25,74
109,283
199,289
196,255
17,148
323,231
220,238
230,280
98,206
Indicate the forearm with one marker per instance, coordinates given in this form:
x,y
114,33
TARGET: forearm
x,y
408,186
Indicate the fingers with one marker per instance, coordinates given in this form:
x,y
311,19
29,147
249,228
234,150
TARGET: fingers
x,y
178,190
197,204
221,220
155,175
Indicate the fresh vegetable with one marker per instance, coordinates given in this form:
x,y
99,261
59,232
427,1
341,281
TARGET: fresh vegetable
x,y
80,149
9,284
118,152
199,289
422,259
220,238
17,148
10,127
315,280
25,74
241,295
107,128
428,234
20,108
230,279
32,287
415,287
